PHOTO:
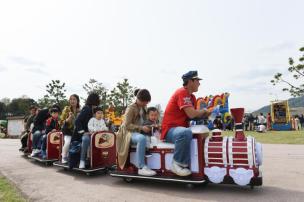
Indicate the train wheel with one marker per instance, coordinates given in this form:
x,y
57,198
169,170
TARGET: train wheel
x,y
190,186
128,179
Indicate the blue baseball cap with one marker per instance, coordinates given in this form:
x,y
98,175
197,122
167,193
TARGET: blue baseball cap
x,y
190,75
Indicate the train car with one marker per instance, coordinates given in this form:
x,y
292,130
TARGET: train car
x,y
52,148
102,153
215,159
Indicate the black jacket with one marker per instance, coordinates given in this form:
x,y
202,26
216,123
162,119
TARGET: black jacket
x,y
81,122
39,121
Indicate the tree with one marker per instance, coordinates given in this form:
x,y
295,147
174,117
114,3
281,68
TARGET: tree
x,y
20,106
5,101
55,94
121,96
2,110
97,87
297,70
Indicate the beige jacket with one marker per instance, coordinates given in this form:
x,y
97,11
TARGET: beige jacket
x,y
131,123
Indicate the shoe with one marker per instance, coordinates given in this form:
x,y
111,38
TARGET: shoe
x,y
146,171
35,152
82,164
148,154
178,170
26,150
21,149
64,160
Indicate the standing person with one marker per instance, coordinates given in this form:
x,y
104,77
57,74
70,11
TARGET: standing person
x,y
81,132
261,119
302,121
269,121
181,108
131,132
297,123
39,128
29,121
251,122
66,122
218,123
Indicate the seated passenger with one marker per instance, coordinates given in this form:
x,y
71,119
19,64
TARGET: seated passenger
x,y
97,122
67,120
25,134
181,108
81,131
52,125
153,123
39,128
130,133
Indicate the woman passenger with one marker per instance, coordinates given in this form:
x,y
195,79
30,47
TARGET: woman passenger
x,y
81,131
67,119
131,130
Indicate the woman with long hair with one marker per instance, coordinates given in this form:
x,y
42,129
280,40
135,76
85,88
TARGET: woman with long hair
x,y
67,119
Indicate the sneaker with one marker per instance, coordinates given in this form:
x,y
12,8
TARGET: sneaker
x,y
146,171
148,154
82,164
35,152
64,160
178,170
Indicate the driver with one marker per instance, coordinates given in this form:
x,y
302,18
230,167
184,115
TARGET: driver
x,y
181,108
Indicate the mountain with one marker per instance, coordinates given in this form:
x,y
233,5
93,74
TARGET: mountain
x,y
293,103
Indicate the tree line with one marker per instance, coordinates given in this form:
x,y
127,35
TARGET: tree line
x,y
119,97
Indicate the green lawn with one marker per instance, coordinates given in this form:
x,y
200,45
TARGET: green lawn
x,y
8,192
276,137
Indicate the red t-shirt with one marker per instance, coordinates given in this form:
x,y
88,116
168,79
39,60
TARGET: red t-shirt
x,y
174,114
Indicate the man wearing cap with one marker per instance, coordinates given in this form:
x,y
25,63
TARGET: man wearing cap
x,y
181,108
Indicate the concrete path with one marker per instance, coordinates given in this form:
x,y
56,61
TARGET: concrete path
x,y
283,173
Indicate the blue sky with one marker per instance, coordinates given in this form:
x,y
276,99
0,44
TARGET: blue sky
x,y
237,46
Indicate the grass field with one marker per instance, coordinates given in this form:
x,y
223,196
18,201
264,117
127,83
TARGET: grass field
x,y
275,137
8,192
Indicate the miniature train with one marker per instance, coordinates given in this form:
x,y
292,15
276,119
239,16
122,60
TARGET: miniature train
x,y
214,158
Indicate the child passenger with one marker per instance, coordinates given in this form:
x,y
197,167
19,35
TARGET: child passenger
x,y
153,123
95,124
51,125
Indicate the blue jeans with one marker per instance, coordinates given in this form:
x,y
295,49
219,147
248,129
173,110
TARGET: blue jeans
x,y
37,135
181,137
43,142
85,144
140,141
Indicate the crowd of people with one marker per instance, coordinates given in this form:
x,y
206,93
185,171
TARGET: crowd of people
x,y
139,124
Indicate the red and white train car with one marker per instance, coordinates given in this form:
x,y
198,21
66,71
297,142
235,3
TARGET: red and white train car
x,y
216,159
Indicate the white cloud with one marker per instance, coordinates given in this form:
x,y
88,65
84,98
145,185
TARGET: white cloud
x,y
37,71
2,68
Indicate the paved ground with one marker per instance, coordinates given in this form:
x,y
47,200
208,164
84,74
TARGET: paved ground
x,y
283,173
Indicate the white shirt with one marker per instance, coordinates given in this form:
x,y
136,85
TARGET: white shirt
x,y
262,119
95,125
